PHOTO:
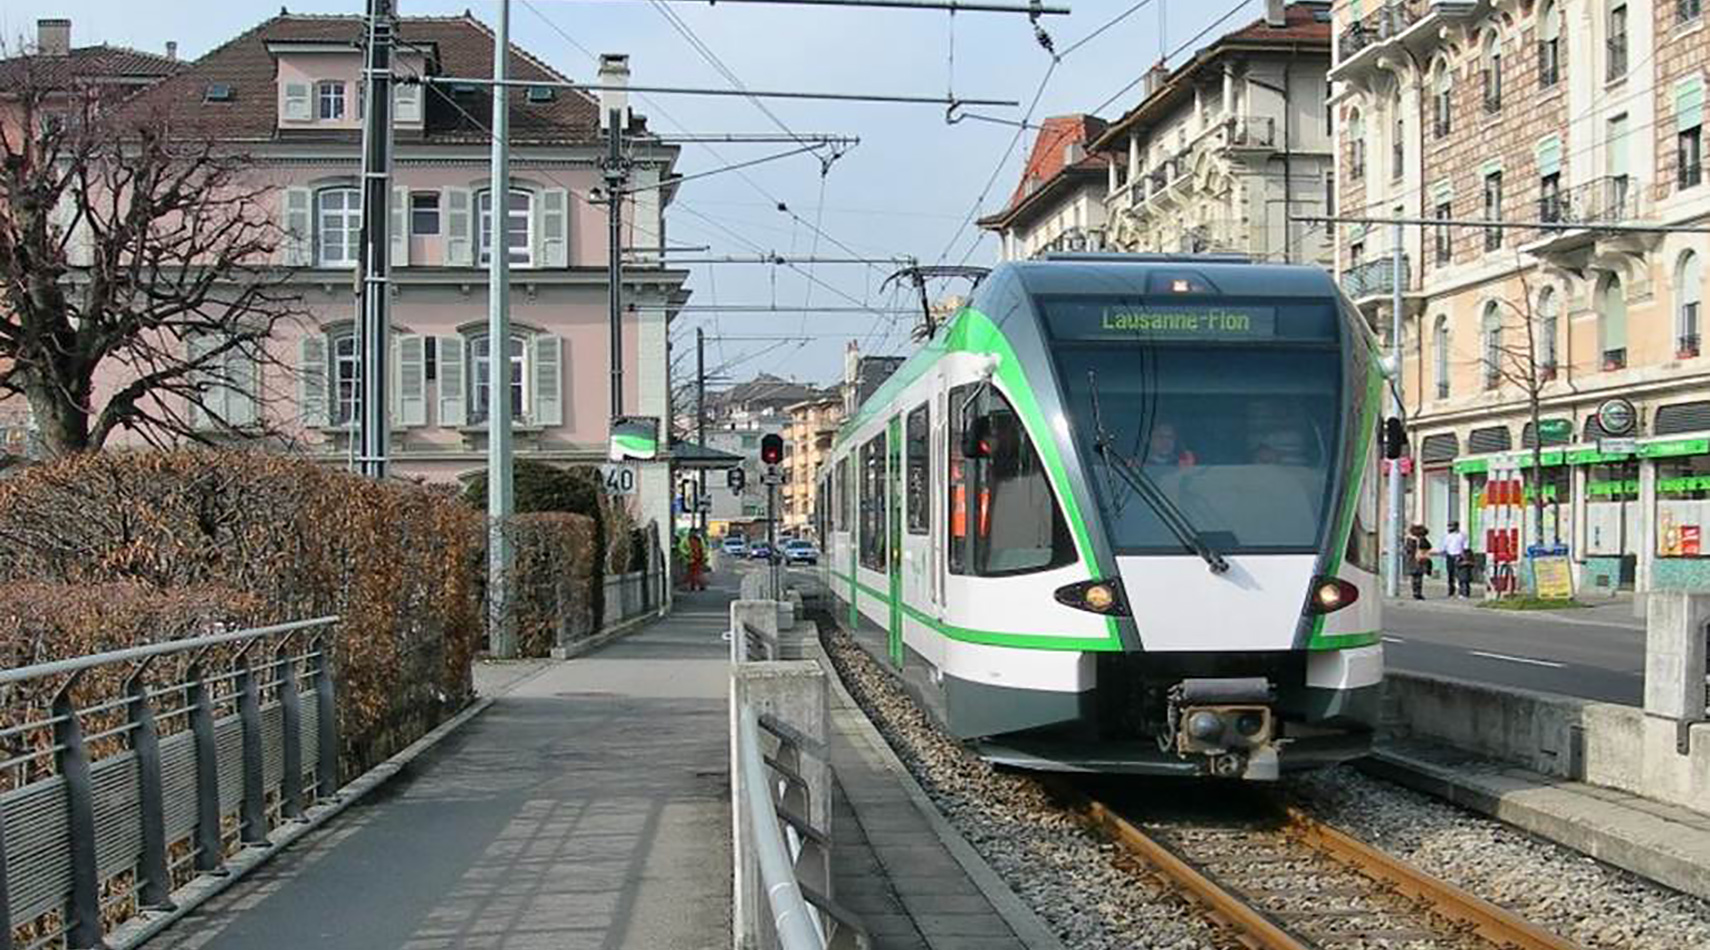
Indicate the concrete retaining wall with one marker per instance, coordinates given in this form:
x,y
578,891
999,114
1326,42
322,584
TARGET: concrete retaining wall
x,y
1619,747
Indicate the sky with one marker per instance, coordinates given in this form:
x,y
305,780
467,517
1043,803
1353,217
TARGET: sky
x,y
909,188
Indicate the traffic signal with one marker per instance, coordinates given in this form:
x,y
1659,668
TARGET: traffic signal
x,y
772,449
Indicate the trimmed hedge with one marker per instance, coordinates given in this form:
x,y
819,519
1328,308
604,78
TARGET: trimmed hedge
x,y
553,576
282,538
540,488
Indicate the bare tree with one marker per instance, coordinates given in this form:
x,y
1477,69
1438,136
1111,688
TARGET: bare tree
x,y
131,253
1519,364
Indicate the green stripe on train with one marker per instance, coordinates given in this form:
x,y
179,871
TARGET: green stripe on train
x,y
994,638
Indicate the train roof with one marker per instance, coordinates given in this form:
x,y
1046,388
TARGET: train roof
x,y
1229,274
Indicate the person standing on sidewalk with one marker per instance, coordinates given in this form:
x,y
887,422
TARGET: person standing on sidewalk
x,y
1418,559
1455,560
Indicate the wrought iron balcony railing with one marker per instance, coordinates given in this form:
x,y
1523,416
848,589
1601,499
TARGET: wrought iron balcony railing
x,y
1386,22
1375,277
1606,200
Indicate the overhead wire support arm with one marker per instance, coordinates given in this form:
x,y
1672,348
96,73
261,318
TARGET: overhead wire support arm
x,y
735,93
954,6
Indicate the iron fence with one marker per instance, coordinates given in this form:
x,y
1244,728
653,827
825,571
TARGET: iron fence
x,y
121,782
1376,276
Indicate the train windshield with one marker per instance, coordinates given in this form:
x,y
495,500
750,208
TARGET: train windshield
x,y
1232,413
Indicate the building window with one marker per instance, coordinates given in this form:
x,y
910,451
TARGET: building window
x,y
1683,506
1685,11
1612,323
1357,145
480,378
1549,328
1492,209
1442,101
1616,43
1616,188
1549,46
424,213
1440,356
1490,67
331,96
1330,193
1441,234
1493,353
519,227
917,473
1550,197
345,355
1689,157
1689,291
338,213
1398,140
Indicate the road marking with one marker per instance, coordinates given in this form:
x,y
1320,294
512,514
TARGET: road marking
x,y
1393,640
1518,659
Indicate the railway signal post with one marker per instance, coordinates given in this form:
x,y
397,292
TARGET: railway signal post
x,y
771,454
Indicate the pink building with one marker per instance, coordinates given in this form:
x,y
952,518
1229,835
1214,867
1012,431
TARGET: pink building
x,y
288,93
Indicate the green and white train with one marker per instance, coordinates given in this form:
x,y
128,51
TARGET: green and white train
x,y
1119,514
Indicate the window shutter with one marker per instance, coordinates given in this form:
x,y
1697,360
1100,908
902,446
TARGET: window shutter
x,y
453,398
546,355
298,222
406,104
1550,156
459,252
240,398
400,227
209,403
409,380
1689,104
297,101
1617,147
554,250
312,379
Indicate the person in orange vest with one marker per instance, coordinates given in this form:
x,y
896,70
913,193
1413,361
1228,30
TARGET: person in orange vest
x,y
697,562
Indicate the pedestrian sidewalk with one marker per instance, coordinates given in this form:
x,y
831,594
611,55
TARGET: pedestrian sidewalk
x,y
588,807
1602,610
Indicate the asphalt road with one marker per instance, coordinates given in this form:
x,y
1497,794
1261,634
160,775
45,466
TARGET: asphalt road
x,y
1592,654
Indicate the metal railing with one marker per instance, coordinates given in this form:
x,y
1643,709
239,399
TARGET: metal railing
x,y
1606,200
1386,22
1376,276
1251,131
122,783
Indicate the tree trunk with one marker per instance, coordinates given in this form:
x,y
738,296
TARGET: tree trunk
x,y
63,425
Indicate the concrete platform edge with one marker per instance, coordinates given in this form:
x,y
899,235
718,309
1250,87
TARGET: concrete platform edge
x,y
611,634
1023,922
141,929
1627,853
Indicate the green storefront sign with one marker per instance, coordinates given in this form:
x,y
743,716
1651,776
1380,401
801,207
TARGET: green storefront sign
x,y
1673,447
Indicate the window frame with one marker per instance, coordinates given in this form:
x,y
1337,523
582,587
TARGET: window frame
x,y
478,412
343,413
1549,333
1442,237
1493,209
1611,288
1549,45
874,536
519,257
1356,145
1440,355
1442,100
1689,303
1689,173
350,218
1398,141
1490,68
1615,43
917,470
436,211
1490,332
330,93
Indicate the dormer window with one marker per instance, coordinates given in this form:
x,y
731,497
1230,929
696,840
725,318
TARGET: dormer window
x,y
330,94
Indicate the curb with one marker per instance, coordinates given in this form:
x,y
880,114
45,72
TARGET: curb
x,y
617,631
1023,922
206,887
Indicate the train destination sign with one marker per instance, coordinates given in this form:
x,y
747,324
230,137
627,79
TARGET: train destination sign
x,y
1076,320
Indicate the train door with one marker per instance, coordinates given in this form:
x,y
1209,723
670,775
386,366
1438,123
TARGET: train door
x,y
894,506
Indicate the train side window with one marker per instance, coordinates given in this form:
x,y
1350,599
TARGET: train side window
x,y
873,503
1019,526
956,507
843,493
917,457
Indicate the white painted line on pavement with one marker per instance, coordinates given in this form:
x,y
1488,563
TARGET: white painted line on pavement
x,y
1393,640
1518,659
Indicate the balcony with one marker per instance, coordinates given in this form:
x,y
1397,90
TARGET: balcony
x,y
1375,278
1614,359
1576,212
1385,23
1412,23
1251,131
1686,346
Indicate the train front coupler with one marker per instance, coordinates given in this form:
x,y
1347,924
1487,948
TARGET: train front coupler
x,y
1228,723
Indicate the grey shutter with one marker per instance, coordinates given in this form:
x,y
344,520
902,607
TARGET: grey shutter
x,y
240,399
407,104
409,380
546,354
453,398
400,227
554,250
297,218
1492,439
312,379
297,102
1682,417
459,252
1439,448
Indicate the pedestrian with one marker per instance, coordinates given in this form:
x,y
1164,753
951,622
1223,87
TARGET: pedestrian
x,y
1418,559
1456,561
697,562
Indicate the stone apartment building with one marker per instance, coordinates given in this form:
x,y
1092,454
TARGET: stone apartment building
x,y
288,94
1059,203
807,444
1575,113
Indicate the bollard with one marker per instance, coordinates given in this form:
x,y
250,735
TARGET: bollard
x,y
1677,661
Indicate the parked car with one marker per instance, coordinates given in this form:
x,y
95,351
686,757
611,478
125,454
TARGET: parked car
x,y
760,551
800,552
736,545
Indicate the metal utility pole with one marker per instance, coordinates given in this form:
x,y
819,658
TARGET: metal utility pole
x,y
1392,586
701,420
372,315
614,74
500,502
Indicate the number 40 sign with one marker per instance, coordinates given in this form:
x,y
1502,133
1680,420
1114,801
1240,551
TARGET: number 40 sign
x,y
619,479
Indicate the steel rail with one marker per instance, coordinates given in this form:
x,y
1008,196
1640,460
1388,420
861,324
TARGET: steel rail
x,y
1496,924
130,654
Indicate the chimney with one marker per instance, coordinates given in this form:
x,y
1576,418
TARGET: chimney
x,y
53,37
172,50
1155,79
1275,15
614,71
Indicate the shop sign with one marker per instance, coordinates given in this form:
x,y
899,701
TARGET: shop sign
x,y
1555,428
1622,447
1472,466
1684,483
1553,575
1617,416
1625,486
1651,450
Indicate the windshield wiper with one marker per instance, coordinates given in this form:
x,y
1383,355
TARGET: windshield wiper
x,y
1167,511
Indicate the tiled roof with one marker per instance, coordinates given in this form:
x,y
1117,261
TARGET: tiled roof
x,y
1049,160
459,46
1301,23
86,64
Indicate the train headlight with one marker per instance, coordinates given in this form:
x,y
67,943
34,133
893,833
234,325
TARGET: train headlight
x,y
1330,594
1099,597
1205,726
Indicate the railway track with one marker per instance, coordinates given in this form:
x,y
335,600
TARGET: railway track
x,y
1285,881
